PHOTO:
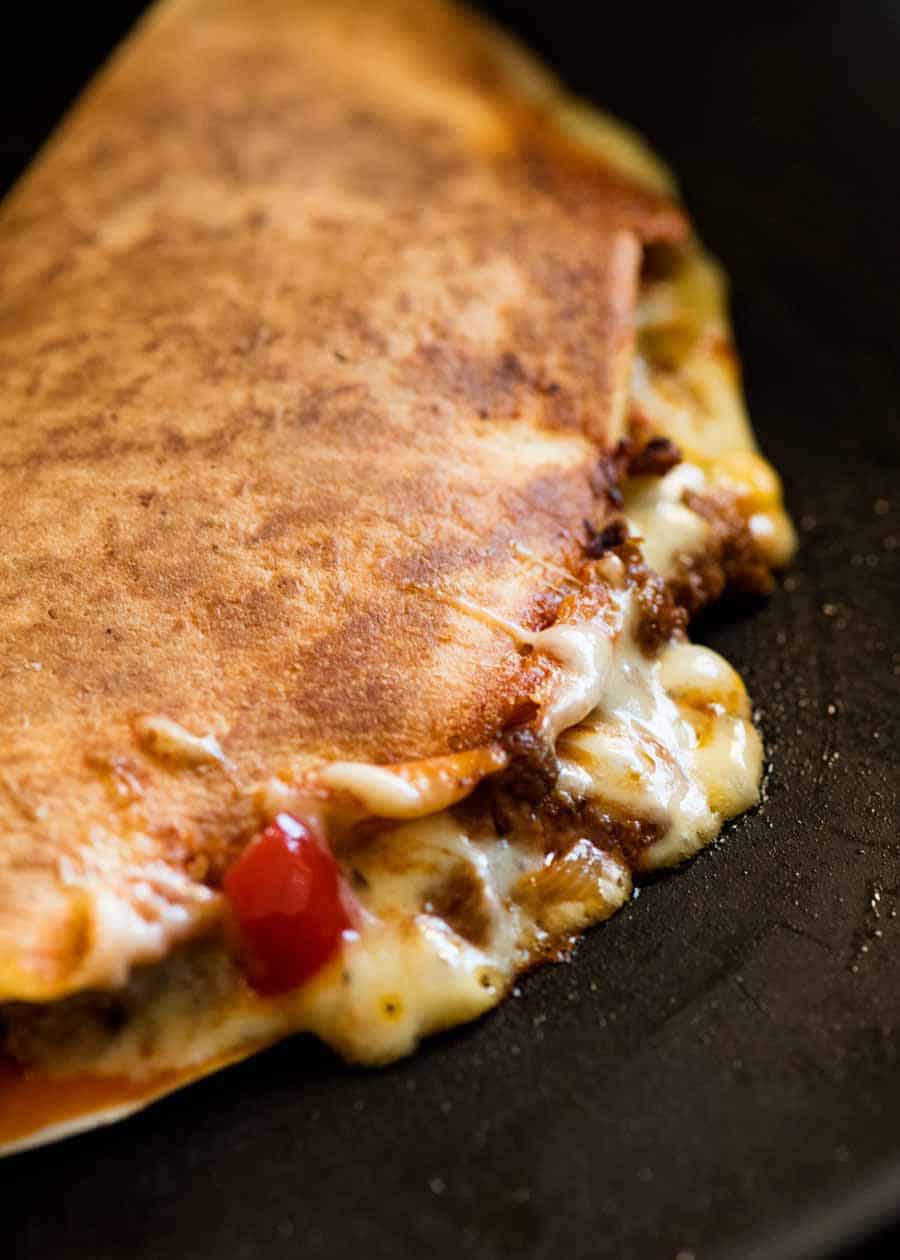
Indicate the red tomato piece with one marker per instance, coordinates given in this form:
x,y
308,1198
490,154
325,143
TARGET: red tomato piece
x,y
286,895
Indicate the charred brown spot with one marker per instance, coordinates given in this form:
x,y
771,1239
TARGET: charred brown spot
x,y
600,541
544,610
638,455
606,476
489,385
654,459
460,901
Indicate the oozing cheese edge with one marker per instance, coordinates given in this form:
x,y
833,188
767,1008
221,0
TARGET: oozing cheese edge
x,y
669,739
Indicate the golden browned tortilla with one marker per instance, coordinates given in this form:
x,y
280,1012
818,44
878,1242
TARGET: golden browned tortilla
x,y
317,337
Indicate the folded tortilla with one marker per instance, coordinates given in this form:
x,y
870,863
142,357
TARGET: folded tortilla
x,y
325,330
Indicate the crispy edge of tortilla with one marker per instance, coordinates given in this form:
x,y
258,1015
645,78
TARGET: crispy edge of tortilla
x,y
39,1109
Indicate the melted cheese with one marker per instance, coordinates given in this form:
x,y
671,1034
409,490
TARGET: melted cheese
x,y
657,515
672,743
585,652
668,740
160,906
582,648
166,738
412,790
686,384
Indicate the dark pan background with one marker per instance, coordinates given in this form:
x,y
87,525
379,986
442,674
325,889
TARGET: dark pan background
x,y
717,1074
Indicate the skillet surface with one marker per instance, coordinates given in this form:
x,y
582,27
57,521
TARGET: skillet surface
x,y
717,1075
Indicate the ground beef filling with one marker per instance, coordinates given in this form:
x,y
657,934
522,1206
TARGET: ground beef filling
x,y
732,559
638,455
522,804
459,899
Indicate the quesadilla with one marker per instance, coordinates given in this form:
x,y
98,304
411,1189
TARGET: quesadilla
x,y
371,428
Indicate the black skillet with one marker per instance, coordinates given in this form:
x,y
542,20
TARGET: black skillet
x,y
717,1074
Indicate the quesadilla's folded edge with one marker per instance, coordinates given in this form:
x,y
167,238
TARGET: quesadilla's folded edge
x,y
611,142
57,1109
